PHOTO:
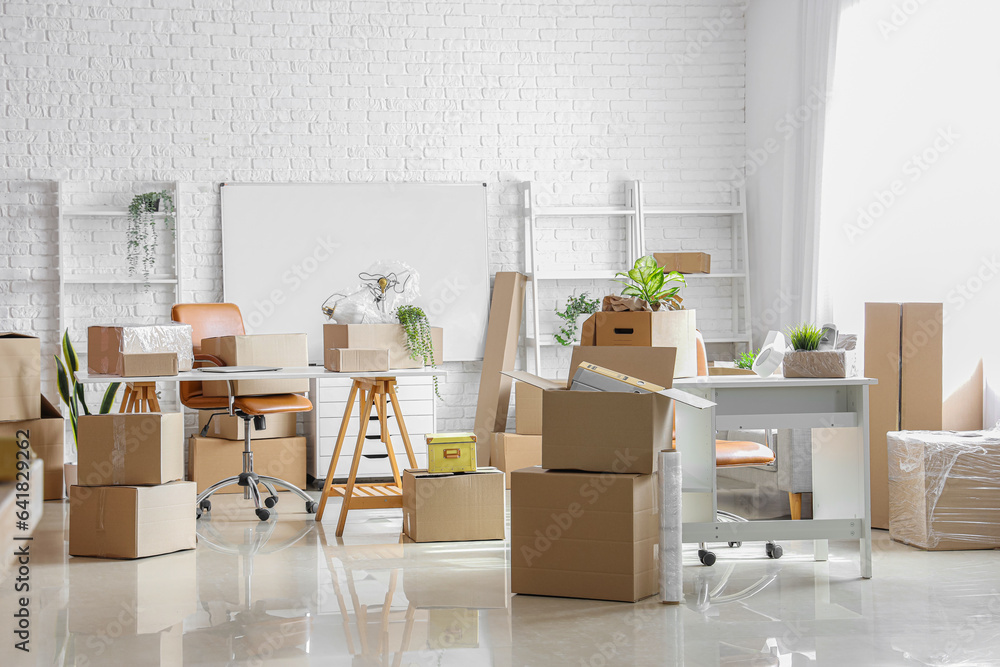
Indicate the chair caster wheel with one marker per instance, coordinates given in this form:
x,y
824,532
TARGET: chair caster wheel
x,y
271,501
773,550
312,507
735,545
197,512
205,505
706,557
263,514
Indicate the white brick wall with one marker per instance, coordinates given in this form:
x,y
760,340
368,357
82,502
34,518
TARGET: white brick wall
x,y
576,96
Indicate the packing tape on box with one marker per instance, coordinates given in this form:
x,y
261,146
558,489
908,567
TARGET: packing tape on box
x,y
118,450
671,550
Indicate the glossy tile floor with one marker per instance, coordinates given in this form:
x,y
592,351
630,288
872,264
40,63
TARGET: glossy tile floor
x,y
290,593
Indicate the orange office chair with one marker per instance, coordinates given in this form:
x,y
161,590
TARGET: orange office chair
x,y
731,453
209,320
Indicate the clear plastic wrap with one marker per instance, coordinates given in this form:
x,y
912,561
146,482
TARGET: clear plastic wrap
x,y
107,346
841,362
384,287
671,527
944,489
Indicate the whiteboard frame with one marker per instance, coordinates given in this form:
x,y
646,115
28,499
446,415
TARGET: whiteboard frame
x,y
486,231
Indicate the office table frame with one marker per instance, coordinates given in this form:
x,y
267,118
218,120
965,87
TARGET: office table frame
x,y
836,409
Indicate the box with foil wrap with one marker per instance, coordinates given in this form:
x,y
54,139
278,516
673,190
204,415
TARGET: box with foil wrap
x,y
140,350
130,448
944,489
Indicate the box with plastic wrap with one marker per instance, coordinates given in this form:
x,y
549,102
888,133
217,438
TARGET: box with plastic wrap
x,y
944,489
139,350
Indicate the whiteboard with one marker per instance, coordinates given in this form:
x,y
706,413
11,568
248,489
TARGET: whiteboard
x,y
287,247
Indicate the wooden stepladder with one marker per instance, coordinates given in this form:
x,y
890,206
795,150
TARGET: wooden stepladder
x,y
140,397
371,393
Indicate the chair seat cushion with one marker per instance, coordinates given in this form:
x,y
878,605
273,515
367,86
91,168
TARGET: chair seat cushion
x,y
199,402
266,405
741,453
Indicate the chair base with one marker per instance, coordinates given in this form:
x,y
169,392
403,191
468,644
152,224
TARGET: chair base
x,y
708,557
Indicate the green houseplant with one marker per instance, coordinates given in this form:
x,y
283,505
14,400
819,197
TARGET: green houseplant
x,y
649,282
71,390
746,359
418,337
805,337
141,231
575,307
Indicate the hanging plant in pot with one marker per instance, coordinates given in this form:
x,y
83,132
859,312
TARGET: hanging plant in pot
x,y
577,309
142,234
419,343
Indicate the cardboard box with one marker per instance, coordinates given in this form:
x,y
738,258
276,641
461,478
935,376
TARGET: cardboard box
x,y
453,507
920,376
348,360
211,460
684,262
512,451
130,448
280,350
12,503
20,377
451,452
528,408
230,427
607,431
944,489
131,521
669,328
15,455
155,595
140,350
157,649
581,535
380,336
47,436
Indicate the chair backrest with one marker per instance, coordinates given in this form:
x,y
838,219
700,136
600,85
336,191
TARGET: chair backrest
x,y
207,320
702,353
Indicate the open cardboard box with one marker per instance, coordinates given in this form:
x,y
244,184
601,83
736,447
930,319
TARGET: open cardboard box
x,y
610,431
664,328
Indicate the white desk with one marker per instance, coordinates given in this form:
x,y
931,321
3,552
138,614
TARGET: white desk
x,y
292,373
837,411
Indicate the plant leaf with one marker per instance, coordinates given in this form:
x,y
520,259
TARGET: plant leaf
x,y
109,397
62,380
83,400
72,361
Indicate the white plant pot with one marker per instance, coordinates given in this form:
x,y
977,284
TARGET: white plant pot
x,y
580,319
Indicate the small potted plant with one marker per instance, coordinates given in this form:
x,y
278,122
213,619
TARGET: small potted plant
x,y
807,360
71,393
142,233
578,308
419,342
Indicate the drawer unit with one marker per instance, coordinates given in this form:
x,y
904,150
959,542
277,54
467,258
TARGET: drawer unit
x,y
417,403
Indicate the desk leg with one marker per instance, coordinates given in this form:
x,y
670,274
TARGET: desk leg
x,y
328,483
402,425
821,550
860,397
383,422
349,490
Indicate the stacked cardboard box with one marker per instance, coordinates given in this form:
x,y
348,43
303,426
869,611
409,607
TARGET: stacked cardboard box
x,y
453,507
585,523
129,502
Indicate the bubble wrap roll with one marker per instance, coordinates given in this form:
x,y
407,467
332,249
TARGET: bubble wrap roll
x,y
671,551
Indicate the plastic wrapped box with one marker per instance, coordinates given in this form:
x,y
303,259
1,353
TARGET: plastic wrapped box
x,y
138,350
944,489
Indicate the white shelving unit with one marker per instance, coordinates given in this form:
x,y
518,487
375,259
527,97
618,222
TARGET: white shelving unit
x,y
635,213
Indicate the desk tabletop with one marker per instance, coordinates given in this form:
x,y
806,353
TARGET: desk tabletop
x,y
297,373
754,382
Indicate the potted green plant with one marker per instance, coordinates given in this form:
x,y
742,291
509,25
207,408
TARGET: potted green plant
x,y
72,395
577,309
417,330
649,282
806,359
142,233
746,359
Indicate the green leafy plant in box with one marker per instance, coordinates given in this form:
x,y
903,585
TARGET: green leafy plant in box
x,y
746,359
649,282
805,337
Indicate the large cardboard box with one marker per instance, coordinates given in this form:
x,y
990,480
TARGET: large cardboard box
x,y
140,350
528,407
20,377
212,459
684,262
610,431
380,336
155,594
944,489
349,360
130,448
583,535
280,350
131,521
230,427
453,507
47,436
512,451
666,328
903,351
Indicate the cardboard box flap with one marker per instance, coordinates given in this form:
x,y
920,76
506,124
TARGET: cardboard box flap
x,y
652,364
13,334
533,380
676,394
49,411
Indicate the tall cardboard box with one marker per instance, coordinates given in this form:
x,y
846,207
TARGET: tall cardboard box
x,y
512,451
453,507
230,427
684,262
380,336
47,441
130,448
920,375
20,377
278,350
212,459
131,521
583,535
665,328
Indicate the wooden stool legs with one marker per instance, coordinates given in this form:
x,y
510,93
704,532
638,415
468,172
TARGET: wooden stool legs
x,y
140,397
